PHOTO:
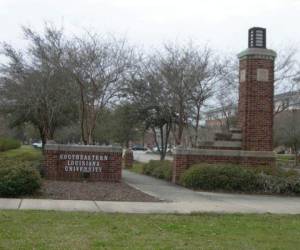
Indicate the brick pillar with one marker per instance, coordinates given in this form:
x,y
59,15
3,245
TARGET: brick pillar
x,y
128,158
180,164
256,95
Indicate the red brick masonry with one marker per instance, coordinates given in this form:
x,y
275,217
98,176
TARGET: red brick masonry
x,y
83,162
256,94
128,158
184,158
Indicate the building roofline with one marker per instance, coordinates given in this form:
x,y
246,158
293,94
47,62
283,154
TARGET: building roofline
x,y
276,98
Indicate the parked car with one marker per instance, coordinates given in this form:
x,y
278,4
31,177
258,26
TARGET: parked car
x,y
155,149
138,148
37,144
169,149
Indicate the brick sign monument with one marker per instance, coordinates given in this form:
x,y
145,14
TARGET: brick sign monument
x,y
252,142
83,162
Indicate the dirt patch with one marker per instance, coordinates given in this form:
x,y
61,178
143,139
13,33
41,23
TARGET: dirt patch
x,y
101,191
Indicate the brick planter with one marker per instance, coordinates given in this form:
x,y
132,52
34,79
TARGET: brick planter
x,y
184,158
82,162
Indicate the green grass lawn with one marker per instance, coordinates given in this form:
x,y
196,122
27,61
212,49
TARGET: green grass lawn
x,y
75,230
23,153
285,157
137,167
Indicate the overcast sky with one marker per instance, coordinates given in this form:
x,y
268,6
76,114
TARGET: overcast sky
x,y
222,24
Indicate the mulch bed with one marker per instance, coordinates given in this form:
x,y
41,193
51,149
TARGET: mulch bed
x,y
100,191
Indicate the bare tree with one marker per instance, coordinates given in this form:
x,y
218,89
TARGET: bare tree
x,y
172,63
149,93
287,75
34,88
287,131
203,72
188,73
98,66
226,94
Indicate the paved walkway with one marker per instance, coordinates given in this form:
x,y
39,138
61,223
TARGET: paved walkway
x,y
212,202
176,199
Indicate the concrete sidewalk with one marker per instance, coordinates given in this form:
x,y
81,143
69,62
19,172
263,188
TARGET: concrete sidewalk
x,y
289,207
210,201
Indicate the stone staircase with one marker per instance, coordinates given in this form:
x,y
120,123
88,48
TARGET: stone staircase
x,y
224,141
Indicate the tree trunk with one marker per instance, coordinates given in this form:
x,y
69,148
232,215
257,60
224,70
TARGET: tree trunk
x,y
162,155
43,137
162,146
194,142
82,114
296,157
168,129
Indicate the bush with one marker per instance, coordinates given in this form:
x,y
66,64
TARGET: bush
x,y
274,171
279,185
158,169
295,185
8,144
29,156
18,178
273,184
25,154
220,177
137,167
238,178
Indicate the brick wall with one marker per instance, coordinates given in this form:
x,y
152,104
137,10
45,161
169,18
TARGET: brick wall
x,y
187,157
74,163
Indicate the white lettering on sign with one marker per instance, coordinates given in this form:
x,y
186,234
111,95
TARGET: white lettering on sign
x,y
83,169
82,157
85,163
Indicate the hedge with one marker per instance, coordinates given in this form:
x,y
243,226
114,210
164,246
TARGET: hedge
x,y
241,179
274,171
158,169
8,144
18,178
279,185
212,177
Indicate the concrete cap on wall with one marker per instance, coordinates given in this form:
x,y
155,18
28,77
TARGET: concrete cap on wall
x,y
221,144
83,148
258,52
229,153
